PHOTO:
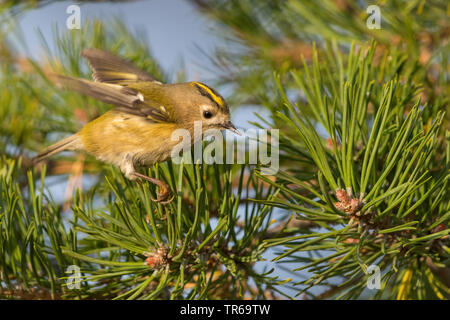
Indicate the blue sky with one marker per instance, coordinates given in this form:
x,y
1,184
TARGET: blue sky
x,y
174,27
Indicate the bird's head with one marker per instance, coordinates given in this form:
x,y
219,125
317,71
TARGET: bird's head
x,y
199,102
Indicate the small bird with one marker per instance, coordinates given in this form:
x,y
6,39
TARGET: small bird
x,y
137,131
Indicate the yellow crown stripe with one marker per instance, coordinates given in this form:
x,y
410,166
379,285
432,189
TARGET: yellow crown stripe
x,y
215,97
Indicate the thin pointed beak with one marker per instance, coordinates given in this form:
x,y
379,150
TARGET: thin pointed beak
x,y
228,125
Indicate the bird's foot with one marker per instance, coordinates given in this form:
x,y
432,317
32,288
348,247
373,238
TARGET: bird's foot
x,y
164,190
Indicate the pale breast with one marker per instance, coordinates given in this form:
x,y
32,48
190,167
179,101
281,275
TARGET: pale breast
x,y
118,137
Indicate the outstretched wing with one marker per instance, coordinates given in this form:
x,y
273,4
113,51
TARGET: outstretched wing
x,y
112,75
125,99
109,68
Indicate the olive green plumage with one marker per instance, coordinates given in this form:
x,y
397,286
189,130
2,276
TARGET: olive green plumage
x,y
146,112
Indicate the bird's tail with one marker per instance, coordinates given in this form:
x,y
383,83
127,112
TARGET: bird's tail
x,y
70,143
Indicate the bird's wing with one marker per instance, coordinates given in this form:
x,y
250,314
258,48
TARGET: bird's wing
x,y
125,99
109,68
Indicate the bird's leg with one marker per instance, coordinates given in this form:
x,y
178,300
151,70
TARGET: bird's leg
x,y
164,190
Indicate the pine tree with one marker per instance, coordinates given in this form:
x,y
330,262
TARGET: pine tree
x,y
362,186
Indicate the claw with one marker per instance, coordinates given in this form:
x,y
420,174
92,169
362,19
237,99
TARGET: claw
x,y
164,190
163,194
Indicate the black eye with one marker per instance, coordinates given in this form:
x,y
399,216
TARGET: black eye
x,y
207,114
